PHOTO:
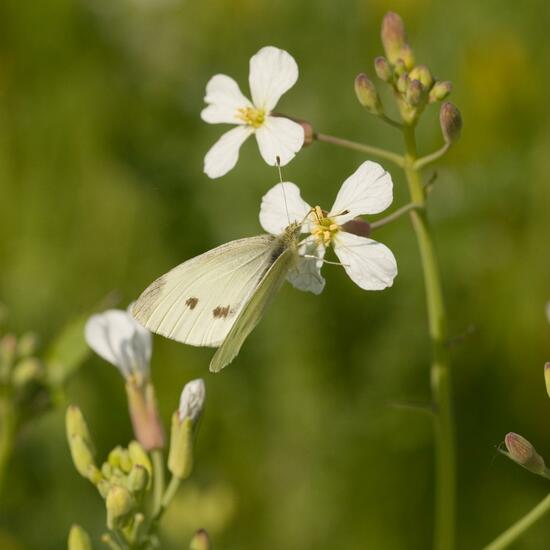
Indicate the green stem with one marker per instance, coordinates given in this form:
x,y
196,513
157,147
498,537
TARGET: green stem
x,y
391,122
171,490
515,531
367,149
440,369
8,422
393,216
424,161
158,480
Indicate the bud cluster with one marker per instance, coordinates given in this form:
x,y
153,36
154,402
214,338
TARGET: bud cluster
x,y
413,84
122,480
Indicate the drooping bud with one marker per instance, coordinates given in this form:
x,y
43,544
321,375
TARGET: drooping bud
x,y
367,94
450,121
78,539
383,69
393,35
440,91
80,442
423,74
547,377
119,503
522,451
200,541
142,405
184,420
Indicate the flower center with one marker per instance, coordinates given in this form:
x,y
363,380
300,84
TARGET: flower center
x,y
324,228
252,116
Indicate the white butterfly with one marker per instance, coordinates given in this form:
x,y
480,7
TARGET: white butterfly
x,y
217,298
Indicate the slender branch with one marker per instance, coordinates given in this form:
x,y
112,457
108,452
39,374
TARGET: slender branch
x,y
391,122
171,490
394,215
515,531
158,480
367,149
444,535
424,161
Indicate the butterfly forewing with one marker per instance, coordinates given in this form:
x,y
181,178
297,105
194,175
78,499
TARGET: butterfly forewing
x,y
198,301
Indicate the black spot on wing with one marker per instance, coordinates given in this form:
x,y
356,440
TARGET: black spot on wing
x,y
221,312
191,302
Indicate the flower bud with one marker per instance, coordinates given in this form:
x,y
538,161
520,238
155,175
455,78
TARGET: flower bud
x,y
192,400
450,121
80,442
144,414
523,452
119,503
367,94
393,35
140,457
383,69
407,56
78,539
440,91
422,74
415,93
399,68
547,377
138,479
402,83
200,541
26,371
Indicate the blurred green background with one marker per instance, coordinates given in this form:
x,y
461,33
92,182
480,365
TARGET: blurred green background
x,y
101,188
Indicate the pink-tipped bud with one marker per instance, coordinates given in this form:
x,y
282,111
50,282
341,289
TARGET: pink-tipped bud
x,y
450,121
200,541
547,377
415,93
393,35
383,69
522,451
440,91
402,83
367,94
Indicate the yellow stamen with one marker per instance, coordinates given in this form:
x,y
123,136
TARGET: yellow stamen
x,y
253,117
324,228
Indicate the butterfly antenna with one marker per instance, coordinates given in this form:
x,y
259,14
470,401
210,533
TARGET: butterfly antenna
x,y
278,160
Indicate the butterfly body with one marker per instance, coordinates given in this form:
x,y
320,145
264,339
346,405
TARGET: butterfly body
x,y
216,299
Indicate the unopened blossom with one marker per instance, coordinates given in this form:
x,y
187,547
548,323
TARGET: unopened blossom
x,y
370,264
119,339
192,400
272,73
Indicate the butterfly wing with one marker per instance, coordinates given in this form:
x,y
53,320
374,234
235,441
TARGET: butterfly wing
x,y
199,301
253,311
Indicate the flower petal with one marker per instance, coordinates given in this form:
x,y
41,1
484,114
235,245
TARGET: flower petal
x,y
224,98
281,206
370,264
306,275
223,155
368,190
272,73
279,137
119,339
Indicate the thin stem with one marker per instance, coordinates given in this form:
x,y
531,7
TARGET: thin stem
x,y
394,215
440,369
367,149
158,480
391,122
424,161
171,490
8,422
515,531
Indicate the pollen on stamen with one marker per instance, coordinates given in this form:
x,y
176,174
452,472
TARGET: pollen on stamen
x,y
251,116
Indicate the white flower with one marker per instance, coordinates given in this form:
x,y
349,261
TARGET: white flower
x,y
370,264
272,73
192,400
119,339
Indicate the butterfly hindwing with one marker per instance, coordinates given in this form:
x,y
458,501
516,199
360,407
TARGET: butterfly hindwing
x,y
198,301
253,311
